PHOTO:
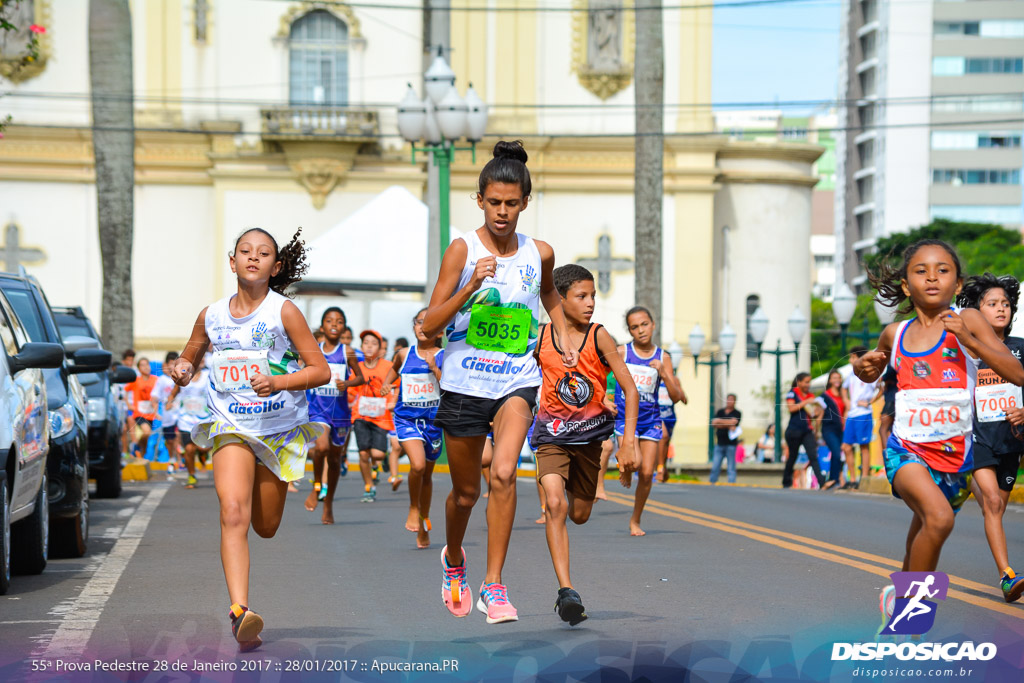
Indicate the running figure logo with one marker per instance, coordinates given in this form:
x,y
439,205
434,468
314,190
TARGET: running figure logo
x,y
913,610
574,389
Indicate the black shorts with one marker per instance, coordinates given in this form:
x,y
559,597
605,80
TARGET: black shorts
x,y
370,437
889,406
1005,464
462,415
139,421
169,432
185,438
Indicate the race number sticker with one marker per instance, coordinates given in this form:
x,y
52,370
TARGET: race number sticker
x,y
993,400
645,378
194,405
420,389
146,408
496,328
372,406
339,373
233,370
930,415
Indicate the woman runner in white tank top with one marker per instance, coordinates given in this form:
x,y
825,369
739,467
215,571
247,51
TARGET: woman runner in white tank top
x,y
487,302
259,427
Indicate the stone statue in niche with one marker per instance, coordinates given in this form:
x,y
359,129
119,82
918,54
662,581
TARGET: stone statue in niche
x,y
604,36
12,43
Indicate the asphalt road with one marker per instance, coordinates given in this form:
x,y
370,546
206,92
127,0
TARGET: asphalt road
x,y
730,584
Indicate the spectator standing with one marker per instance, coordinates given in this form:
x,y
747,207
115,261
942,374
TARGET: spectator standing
x,y
727,436
832,422
860,424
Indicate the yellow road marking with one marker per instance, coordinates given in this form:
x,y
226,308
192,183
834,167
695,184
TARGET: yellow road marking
x,y
813,548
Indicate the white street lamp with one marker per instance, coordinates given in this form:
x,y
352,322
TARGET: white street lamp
x,y
844,304
798,325
886,314
412,116
451,115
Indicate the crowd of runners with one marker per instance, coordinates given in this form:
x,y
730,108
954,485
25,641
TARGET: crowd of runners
x,y
257,391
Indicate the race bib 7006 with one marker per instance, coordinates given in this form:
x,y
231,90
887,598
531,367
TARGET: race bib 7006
x,y
993,400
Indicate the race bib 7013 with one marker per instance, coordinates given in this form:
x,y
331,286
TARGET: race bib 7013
x,y
233,370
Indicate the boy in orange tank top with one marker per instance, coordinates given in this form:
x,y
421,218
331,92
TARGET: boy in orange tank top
x,y
573,421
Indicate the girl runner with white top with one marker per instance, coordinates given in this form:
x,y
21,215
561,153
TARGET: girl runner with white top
x,y
488,296
259,427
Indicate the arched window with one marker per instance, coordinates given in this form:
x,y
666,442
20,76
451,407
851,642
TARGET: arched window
x,y
753,302
318,51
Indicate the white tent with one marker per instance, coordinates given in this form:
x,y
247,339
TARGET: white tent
x,y
380,247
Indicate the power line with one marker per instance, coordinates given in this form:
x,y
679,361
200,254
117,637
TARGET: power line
x,y
562,9
624,107
527,135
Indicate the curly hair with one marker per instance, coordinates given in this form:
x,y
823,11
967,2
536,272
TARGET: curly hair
x,y
977,286
887,278
568,275
292,258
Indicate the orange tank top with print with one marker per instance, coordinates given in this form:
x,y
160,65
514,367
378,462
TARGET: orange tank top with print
x,y
369,405
571,405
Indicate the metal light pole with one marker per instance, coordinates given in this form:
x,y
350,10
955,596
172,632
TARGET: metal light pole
x,y
726,343
758,326
439,120
844,305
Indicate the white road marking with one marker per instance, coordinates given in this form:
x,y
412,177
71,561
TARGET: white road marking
x,y
82,613
30,621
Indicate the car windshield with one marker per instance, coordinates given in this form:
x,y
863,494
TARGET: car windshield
x,y
21,301
70,326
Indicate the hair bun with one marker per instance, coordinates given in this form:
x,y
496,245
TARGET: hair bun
x,y
510,150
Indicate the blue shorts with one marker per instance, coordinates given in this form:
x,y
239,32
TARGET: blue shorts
x,y
648,432
421,430
859,429
338,430
955,486
670,426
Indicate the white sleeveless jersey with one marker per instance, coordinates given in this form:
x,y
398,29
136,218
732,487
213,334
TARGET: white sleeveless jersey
x,y
193,403
516,284
260,331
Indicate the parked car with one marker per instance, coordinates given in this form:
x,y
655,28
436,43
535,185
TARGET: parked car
x,y
104,411
67,465
24,444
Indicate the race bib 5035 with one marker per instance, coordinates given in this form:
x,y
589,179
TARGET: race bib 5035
x,y
496,328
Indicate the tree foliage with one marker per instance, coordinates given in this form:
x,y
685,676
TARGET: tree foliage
x,y
981,246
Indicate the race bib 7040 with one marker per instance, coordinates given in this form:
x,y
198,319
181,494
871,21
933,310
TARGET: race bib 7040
x,y
497,328
930,415
234,370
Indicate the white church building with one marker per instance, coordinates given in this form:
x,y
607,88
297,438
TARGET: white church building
x,y
280,115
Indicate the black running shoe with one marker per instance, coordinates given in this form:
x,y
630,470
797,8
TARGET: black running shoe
x,y
245,627
569,606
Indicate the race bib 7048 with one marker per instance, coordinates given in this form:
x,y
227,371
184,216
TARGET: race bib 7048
x,y
420,389
930,415
234,370
497,328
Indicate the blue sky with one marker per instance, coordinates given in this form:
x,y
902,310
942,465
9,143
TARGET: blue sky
x,y
776,53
